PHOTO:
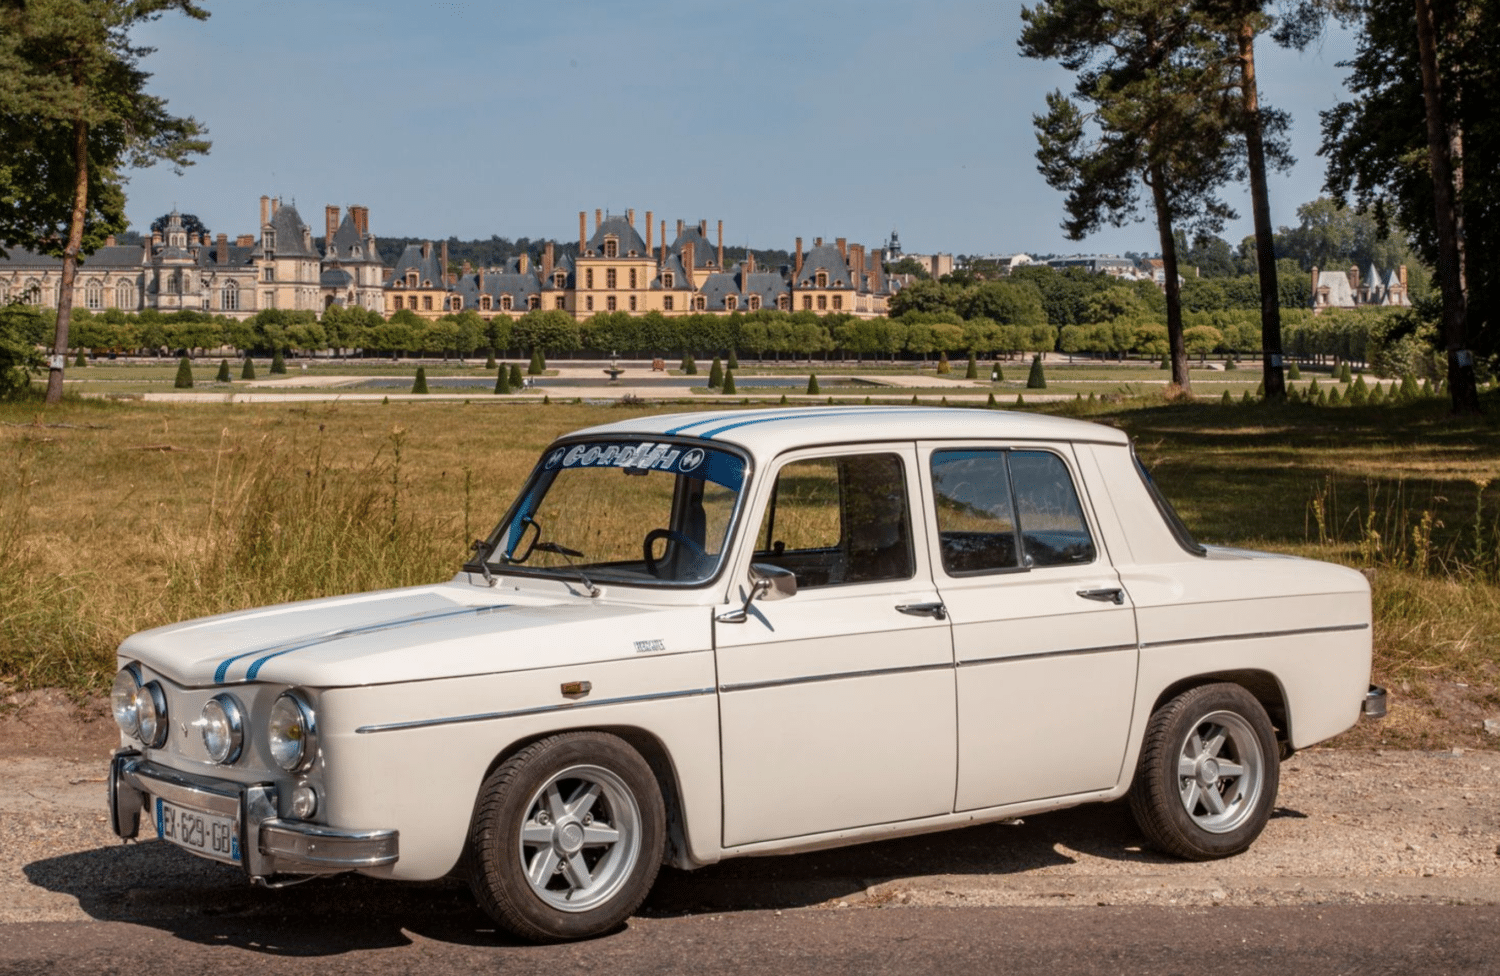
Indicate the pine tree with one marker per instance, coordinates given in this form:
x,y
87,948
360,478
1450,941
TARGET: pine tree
x,y
223,376
812,384
502,382
972,373
420,386
247,372
716,374
184,379
729,382
278,362
1037,379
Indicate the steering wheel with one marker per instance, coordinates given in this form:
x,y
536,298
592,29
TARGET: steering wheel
x,y
695,550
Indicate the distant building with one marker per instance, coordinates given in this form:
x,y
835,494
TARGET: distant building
x,y
1109,264
1350,289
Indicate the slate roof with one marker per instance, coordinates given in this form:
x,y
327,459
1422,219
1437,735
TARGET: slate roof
x,y
293,239
768,285
621,229
704,253
348,248
128,257
429,271
674,268
497,283
1336,286
825,257
335,278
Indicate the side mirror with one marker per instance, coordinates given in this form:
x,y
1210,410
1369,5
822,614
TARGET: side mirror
x,y
766,582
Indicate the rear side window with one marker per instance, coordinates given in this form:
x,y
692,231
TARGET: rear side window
x,y
1003,510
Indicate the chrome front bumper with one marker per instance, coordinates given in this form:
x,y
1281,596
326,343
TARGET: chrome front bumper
x,y
271,849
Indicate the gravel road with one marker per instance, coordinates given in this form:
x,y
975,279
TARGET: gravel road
x,y
1351,827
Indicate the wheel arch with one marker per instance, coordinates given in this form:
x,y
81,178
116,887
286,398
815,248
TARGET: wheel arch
x,y
1264,686
657,756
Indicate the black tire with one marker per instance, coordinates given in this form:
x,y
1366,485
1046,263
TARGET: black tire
x,y
1208,773
567,837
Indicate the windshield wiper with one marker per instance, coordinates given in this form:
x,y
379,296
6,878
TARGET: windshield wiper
x,y
569,555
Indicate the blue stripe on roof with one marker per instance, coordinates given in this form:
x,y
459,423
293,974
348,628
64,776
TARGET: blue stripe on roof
x,y
276,650
821,412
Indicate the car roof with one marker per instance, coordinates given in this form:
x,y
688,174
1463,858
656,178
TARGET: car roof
x,y
766,433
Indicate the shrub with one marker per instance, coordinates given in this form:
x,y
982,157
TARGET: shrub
x,y
278,362
734,360
489,362
942,366
1037,379
1334,398
729,381
247,372
502,382
990,403
538,365
1226,399
1020,401
184,379
716,374
1293,372
516,379
689,364
812,384
420,386
972,373
997,374
223,376
80,360
1232,362
1344,375
783,400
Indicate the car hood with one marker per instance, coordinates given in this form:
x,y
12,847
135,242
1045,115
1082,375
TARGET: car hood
x,y
419,633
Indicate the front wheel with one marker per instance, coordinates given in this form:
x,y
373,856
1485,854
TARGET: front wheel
x,y
1208,773
568,837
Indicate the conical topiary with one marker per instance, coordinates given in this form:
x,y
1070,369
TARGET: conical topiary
x,y
812,384
942,366
1378,396
734,360
80,360
1312,387
782,401
1321,399
502,381
1344,375
1233,362
516,379
1020,401
278,362
1335,399
716,374
914,400
972,373
1226,399
1091,398
184,379
1409,388
689,364
997,374
1166,363
1246,397
1427,386
1036,379
489,362
1292,372
729,382
990,403
538,364
420,386
247,372
223,376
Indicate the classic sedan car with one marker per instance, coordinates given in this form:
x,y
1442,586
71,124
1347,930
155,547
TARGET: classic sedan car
x,y
712,635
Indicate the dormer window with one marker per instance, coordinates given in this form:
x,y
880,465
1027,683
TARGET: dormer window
x,y
411,279
699,303
731,302
505,303
427,283
822,279
560,279
485,303
666,279
611,247
533,302
754,303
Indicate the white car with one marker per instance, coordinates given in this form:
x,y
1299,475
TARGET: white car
x,y
713,635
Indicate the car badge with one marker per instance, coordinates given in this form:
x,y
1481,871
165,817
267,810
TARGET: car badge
x,y
691,460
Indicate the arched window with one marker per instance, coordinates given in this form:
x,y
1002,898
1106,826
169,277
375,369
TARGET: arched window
x,y
125,295
31,293
93,294
229,297
822,279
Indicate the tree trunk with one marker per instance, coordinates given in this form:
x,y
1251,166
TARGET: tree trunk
x,y
1260,204
1443,143
70,261
1180,376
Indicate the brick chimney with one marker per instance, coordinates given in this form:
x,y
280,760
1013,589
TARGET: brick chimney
x,y
245,240
664,242
275,206
443,264
547,262
630,217
1401,275
222,255
843,246
265,210
679,231
797,268
583,234
109,241
703,227
525,263
481,281
817,242
856,262
362,220
331,221
598,219
1353,275
687,262
721,245
648,233
156,238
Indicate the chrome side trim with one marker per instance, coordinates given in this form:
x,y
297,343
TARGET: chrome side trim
x,y
839,676
1039,655
1301,631
427,723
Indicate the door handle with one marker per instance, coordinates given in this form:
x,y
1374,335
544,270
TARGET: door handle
x,y
934,610
1113,595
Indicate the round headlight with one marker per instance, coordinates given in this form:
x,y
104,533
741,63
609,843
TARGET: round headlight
x,y
292,733
223,728
151,711
122,700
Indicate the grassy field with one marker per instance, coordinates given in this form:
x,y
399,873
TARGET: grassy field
x,y
117,516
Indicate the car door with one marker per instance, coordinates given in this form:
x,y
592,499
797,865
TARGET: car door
x,y
1043,630
837,704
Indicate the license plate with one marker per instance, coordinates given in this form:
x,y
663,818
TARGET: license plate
x,y
208,834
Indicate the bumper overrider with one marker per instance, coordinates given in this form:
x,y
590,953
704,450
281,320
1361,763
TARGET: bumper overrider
x,y
269,849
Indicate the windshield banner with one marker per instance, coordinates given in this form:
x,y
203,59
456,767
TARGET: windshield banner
x,y
719,467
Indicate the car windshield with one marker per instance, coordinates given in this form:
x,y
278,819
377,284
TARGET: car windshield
x,y
634,511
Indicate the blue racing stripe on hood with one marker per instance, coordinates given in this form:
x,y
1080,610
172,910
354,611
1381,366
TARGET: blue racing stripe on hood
x,y
277,650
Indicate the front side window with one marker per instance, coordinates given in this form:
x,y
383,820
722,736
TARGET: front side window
x,y
636,511
1004,510
839,520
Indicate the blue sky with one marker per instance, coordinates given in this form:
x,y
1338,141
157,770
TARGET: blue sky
x,y
783,118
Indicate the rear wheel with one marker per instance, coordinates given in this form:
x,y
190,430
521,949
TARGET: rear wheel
x,y
568,837
1208,773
